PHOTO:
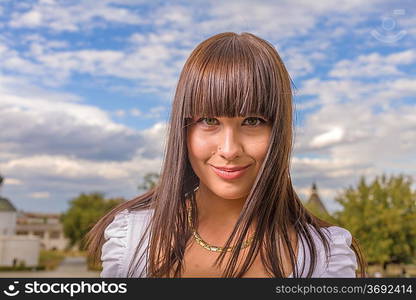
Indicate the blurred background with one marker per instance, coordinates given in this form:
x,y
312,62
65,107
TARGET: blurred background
x,y
85,95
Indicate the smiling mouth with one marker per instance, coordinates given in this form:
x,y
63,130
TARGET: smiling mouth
x,y
232,169
229,175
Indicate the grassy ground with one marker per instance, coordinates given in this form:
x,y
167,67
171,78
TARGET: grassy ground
x,y
48,260
51,259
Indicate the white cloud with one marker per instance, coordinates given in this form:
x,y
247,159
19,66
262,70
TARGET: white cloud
x,y
332,175
73,16
333,91
389,143
40,195
63,167
135,112
174,15
358,127
29,19
153,59
284,18
155,112
297,63
330,137
137,38
150,65
356,117
37,124
12,60
374,65
120,113
330,170
353,140
156,138
39,44
21,87
64,148
12,181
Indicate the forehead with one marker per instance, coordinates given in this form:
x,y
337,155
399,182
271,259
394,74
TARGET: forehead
x,y
225,107
232,82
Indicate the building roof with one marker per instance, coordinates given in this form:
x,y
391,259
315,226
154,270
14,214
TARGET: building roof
x,y
24,214
315,200
6,205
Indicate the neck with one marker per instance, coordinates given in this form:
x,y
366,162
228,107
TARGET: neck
x,y
217,212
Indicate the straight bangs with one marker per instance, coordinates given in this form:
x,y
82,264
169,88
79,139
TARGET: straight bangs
x,y
232,78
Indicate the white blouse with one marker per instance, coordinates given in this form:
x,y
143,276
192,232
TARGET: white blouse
x,y
123,234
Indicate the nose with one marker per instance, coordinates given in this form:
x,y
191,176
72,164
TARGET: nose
x,y
230,145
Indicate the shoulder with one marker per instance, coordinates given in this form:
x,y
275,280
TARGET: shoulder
x,y
341,260
121,237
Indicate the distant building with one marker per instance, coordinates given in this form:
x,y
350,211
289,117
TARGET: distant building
x,y
7,217
47,227
14,249
314,202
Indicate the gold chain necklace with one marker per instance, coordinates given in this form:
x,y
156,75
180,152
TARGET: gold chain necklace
x,y
207,246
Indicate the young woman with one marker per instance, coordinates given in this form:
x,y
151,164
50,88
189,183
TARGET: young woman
x,y
224,205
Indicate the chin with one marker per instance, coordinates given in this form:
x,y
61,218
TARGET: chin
x,y
230,192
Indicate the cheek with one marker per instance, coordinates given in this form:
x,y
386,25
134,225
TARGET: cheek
x,y
198,147
258,147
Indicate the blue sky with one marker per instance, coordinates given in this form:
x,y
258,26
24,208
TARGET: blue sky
x,y
86,89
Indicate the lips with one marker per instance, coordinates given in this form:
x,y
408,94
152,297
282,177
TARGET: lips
x,y
231,169
236,173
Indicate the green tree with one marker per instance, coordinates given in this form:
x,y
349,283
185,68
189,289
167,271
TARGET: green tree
x,y
149,181
382,216
84,212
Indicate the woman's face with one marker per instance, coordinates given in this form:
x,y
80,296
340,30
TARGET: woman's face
x,y
228,143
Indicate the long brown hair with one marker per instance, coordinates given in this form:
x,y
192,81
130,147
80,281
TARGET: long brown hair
x,y
227,75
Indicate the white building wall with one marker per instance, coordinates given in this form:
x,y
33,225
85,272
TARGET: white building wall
x,y
21,248
7,222
47,234
58,244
